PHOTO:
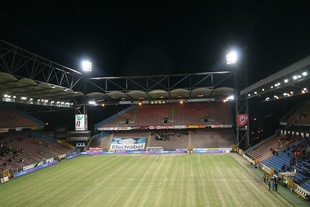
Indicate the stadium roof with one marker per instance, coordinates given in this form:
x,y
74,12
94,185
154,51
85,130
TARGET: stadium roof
x,y
288,82
31,79
28,78
28,91
189,87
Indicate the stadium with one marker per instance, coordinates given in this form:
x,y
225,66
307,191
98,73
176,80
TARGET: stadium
x,y
162,140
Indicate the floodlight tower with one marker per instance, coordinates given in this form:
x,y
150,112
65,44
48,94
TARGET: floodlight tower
x,y
231,59
86,68
241,106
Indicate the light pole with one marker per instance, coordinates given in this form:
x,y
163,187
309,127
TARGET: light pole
x,y
231,59
86,68
241,105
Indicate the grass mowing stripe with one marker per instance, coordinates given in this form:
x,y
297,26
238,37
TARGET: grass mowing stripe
x,y
219,188
151,168
113,181
160,191
138,176
237,180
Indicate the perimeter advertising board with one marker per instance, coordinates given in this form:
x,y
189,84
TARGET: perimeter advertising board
x,y
128,144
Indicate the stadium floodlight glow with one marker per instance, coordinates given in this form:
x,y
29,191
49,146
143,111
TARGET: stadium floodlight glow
x,y
86,66
304,90
92,103
229,98
232,97
231,58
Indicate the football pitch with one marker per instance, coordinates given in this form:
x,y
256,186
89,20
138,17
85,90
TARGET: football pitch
x,y
142,180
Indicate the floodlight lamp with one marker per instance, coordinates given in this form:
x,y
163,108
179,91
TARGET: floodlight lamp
x,y
232,97
229,98
86,66
92,102
231,58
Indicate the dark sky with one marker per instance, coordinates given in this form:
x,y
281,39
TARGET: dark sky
x,y
151,39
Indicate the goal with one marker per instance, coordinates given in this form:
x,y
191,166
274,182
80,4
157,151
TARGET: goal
x,y
156,150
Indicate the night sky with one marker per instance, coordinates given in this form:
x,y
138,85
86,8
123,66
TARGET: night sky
x,y
145,39
161,38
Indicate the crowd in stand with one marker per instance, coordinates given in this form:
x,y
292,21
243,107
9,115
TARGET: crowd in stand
x,y
166,134
17,151
9,154
299,155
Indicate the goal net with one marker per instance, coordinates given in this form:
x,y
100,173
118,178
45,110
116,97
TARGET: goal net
x,y
154,150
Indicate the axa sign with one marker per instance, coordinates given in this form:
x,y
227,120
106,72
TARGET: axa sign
x,y
80,145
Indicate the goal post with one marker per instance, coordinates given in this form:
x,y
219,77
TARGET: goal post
x,y
156,150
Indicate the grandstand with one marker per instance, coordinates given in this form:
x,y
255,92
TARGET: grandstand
x,y
13,118
172,127
23,149
299,116
175,114
287,153
23,144
185,125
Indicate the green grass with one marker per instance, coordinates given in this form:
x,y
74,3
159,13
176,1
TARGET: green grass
x,y
142,180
